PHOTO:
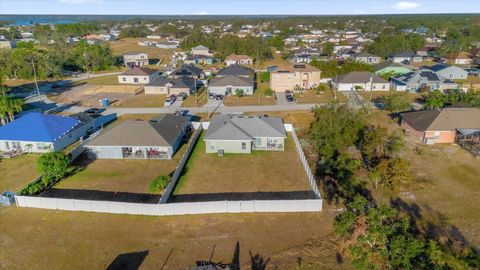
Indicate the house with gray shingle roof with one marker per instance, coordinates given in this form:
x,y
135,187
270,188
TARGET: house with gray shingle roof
x,y
158,138
232,78
244,134
171,86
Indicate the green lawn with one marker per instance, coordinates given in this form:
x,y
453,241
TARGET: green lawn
x,y
17,172
267,171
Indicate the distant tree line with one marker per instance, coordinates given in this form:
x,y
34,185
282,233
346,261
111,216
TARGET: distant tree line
x,y
331,69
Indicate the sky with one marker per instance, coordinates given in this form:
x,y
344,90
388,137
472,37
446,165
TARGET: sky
x,y
237,7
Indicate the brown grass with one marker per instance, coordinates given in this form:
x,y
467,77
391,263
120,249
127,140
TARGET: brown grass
x,y
382,94
16,173
311,97
142,100
123,45
103,80
249,100
447,184
267,171
196,100
48,239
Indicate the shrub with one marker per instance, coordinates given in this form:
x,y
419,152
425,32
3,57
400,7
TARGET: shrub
x,y
268,92
239,93
159,184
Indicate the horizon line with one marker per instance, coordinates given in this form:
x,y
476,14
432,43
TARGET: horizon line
x,y
206,15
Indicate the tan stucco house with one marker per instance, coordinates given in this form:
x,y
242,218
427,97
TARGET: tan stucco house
x,y
294,77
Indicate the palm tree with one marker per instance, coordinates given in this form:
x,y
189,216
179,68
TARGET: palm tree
x,y
9,106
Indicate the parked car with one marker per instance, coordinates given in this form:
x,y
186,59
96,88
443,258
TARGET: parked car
x,y
93,111
290,98
182,96
219,97
169,101
211,96
180,112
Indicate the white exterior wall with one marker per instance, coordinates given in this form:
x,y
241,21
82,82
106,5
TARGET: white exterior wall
x,y
364,86
24,146
128,79
228,146
221,90
115,152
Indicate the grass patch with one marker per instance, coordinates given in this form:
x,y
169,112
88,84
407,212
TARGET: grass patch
x,y
103,80
142,100
379,95
17,172
314,97
267,171
196,100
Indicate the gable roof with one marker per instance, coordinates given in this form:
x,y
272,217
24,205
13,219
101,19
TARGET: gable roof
x,y
161,131
360,77
188,70
38,127
297,68
134,53
200,47
237,57
180,82
386,64
237,70
240,127
445,119
231,80
403,54
139,71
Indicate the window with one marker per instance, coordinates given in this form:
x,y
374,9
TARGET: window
x,y
135,80
244,146
258,141
124,79
43,146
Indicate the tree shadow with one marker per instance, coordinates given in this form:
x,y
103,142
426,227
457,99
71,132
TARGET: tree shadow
x,y
128,261
258,262
430,224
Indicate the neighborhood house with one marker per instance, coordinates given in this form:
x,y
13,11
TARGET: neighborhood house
x,y
40,133
295,77
231,79
158,138
243,134
440,126
234,59
169,86
135,59
138,75
360,80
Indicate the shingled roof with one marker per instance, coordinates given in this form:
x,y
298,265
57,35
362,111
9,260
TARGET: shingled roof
x,y
139,71
160,131
240,127
447,119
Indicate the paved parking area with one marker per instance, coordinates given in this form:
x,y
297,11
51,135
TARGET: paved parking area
x,y
281,99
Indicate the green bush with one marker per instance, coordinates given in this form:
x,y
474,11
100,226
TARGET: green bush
x,y
159,184
268,92
264,77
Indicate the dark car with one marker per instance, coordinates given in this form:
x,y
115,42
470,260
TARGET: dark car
x,y
182,96
181,112
219,97
290,98
94,111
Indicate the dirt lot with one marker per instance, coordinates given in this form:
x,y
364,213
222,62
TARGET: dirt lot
x,y
196,100
209,173
413,97
121,46
89,95
17,172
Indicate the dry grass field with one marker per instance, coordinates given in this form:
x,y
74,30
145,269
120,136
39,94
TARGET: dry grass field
x,y
123,45
48,239
260,171
17,172
447,188
196,100
413,97
141,101
311,97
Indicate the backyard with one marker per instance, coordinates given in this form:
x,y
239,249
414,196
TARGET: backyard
x,y
260,171
124,45
17,172
312,97
378,95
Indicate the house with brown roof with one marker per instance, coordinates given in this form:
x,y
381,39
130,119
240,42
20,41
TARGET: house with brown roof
x,y
138,75
235,59
460,58
158,138
440,126
360,80
295,77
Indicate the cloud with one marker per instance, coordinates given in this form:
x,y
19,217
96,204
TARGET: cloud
x,y
201,13
78,1
406,5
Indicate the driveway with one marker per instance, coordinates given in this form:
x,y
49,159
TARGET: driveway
x,y
354,100
282,99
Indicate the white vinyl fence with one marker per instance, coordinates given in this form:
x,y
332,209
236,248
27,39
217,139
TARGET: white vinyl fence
x,y
169,209
188,208
310,177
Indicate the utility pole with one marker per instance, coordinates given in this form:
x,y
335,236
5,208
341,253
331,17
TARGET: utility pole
x,y
35,77
370,94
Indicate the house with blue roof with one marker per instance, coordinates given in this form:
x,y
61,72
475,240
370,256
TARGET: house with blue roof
x,y
40,133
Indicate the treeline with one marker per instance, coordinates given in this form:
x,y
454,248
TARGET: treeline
x,y
371,235
437,99
331,69
255,47
44,33
47,62
389,42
